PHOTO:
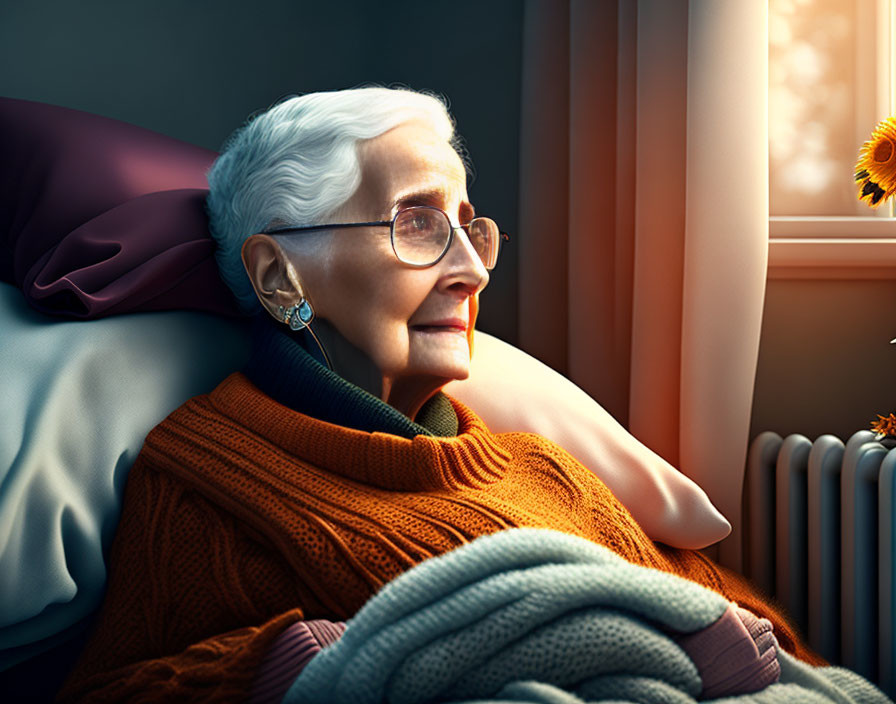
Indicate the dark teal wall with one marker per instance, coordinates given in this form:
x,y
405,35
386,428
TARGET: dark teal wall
x,y
196,69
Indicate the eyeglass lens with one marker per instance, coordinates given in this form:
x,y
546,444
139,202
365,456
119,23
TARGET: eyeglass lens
x,y
421,234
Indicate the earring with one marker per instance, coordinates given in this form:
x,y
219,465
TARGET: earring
x,y
299,315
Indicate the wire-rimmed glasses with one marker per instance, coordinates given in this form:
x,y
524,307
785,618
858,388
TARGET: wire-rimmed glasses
x,y
422,234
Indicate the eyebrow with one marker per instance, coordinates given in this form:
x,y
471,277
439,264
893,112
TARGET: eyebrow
x,y
430,196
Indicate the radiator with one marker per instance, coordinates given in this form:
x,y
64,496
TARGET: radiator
x,y
820,538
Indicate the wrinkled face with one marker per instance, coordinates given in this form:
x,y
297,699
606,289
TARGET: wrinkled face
x,y
411,322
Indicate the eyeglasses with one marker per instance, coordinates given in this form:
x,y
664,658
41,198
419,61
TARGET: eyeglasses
x,y
422,234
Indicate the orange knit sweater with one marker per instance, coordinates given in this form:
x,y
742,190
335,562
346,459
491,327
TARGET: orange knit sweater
x,y
242,516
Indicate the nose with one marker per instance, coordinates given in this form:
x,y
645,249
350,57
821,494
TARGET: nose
x,y
464,263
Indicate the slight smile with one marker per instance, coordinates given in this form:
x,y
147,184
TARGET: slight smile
x,y
432,329
453,324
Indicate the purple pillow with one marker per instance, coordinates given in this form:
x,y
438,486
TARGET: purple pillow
x,y
101,217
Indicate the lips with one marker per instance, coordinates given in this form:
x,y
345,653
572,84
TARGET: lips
x,y
446,325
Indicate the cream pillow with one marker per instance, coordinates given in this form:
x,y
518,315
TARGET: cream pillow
x,y
512,391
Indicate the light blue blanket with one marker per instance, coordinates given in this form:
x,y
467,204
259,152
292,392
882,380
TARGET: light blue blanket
x,y
538,616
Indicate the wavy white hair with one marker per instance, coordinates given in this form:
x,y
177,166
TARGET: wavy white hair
x,y
297,164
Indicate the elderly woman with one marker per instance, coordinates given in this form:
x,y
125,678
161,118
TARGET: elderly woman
x,y
283,500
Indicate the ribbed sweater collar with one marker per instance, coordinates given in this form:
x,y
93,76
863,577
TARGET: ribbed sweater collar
x,y
288,367
473,458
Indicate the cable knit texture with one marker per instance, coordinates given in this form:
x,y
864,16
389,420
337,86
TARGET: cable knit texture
x,y
736,654
242,516
528,608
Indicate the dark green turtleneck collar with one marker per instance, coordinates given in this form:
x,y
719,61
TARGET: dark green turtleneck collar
x,y
288,367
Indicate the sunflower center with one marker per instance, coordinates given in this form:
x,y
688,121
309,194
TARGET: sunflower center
x,y
883,151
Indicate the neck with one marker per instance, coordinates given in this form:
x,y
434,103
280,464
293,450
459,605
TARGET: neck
x,y
406,395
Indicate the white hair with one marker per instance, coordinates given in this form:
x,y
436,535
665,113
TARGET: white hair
x,y
297,164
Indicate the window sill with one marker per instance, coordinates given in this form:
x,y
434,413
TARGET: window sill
x,y
832,248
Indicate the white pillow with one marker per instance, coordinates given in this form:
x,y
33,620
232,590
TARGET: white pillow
x,y
512,391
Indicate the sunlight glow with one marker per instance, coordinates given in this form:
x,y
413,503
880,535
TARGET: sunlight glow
x,y
813,99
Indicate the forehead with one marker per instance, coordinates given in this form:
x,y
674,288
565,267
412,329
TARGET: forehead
x,y
407,159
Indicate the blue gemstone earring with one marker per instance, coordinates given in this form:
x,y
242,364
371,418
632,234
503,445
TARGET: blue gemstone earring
x,y
299,315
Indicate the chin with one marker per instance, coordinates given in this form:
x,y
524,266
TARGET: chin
x,y
446,363
451,369
460,374
445,373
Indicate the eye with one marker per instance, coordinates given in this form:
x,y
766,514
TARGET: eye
x,y
478,235
477,238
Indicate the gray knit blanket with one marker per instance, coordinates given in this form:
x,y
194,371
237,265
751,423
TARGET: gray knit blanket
x,y
540,617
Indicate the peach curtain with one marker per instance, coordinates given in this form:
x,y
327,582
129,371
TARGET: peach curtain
x,y
644,219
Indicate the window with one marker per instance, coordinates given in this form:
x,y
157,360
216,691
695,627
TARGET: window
x,y
832,78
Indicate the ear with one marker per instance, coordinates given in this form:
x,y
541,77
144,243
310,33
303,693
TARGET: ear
x,y
271,272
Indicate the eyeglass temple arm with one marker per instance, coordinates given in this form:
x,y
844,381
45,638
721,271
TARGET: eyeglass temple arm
x,y
380,223
309,228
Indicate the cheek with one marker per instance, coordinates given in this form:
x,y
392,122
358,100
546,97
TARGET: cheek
x,y
392,305
371,306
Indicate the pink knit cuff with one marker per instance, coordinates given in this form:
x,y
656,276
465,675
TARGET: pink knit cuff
x,y
735,655
289,655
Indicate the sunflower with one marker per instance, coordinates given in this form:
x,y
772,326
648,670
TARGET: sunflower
x,y
885,425
876,168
